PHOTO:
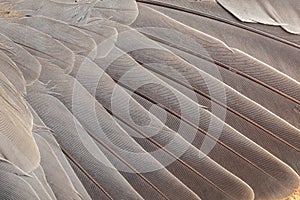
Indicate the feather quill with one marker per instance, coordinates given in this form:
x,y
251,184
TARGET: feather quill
x,y
154,99
83,149
68,88
15,128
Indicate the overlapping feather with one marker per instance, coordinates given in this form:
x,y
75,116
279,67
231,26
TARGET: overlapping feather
x,y
162,100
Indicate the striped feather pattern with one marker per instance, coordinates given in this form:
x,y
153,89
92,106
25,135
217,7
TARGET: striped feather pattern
x,y
149,99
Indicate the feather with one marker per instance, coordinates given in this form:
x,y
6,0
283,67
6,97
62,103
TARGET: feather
x,y
258,46
39,44
72,13
243,85
103,125
56,175
12,72
141,54
13,185
37,186
29,66
15,128
83,151
122,11
255,43
218,51
90,186
30,179
258,137
149,99
121,69
104,36
43,131
284,14
168,153
74,39
71,179
40,174
215,12
246,127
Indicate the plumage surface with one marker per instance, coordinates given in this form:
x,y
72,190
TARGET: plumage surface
x,y
284,14
149,99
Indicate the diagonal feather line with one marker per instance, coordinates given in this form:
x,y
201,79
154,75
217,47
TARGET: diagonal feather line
x,y
59,154
115,67
225,66
249,121
233,36
113,152
58,102
43,52
86,173
234,111
243,26
10,30
139,99
170,153
86,29
257,151
125,162
151,141
25,61
194,126
130,166
43,23
219,103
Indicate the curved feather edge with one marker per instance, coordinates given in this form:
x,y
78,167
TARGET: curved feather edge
x,y
131,167
103,96
278,13
121,67
16,127
29,66
75,39
39,44
42,130
122,11
209,17
83,149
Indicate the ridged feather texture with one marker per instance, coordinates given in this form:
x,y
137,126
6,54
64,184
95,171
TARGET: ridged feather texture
x,y
149,99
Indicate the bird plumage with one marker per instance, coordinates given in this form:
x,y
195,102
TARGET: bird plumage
x,y
154,99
